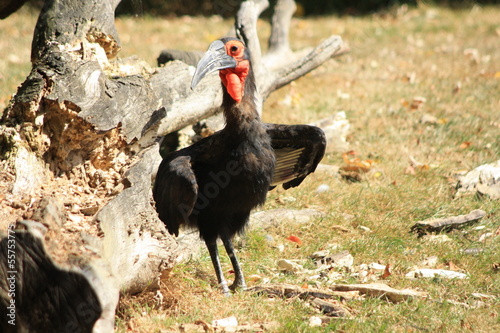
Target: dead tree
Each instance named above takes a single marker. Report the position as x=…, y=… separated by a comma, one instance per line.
x=80, y=148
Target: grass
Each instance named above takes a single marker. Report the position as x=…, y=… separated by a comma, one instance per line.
x=451, y=58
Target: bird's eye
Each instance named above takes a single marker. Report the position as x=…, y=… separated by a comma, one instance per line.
x=234, y=49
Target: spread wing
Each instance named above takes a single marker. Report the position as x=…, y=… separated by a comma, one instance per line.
x=175, y=191
x=298, y=149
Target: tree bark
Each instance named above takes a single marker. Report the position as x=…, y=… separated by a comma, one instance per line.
x=82, y=148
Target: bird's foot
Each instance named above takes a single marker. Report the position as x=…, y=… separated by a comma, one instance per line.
x=238, y=285
x=225, y=289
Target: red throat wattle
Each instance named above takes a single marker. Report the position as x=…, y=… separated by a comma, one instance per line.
x=234, y=79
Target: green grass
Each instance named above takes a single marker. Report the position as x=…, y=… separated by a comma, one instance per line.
x=426, y=44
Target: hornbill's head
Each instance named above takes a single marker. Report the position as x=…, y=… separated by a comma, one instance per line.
x=231, y=58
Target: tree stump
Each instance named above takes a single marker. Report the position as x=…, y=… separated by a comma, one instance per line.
x=80, y=147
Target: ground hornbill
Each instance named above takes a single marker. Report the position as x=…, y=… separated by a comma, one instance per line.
x=213, y=184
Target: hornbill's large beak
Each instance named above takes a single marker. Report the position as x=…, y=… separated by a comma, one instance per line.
x=214, y=59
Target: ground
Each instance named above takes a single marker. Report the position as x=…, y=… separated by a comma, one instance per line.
x=420, y=88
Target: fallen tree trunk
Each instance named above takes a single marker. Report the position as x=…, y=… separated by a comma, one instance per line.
x=81, y=148
x=446, y=223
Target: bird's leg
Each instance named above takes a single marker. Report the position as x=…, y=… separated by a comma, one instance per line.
x=214, y=255
x=239, y=281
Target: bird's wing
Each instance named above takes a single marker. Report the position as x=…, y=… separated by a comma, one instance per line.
x=175, y=191
x=298, y=149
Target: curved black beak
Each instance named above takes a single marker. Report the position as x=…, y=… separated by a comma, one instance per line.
x=214, y=59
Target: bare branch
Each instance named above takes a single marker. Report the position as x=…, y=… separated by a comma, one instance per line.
x=447, y=223
x=280, y=26
x=316, y=57
x=246, y=28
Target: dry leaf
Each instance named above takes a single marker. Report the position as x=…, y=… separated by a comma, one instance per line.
x=465, y=144
x=355, y=164
x=417, y=102
x=387, y=272
x=417, y=165
x=451, y=265
x=423, y=167
x=294, y=239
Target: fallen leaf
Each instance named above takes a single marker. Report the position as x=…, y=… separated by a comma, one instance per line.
x=465, y=144
x=451, y=265
x=294, y=239
x=423, y=167
x=417, y=165
x=356, y=164
x=387, y=272
x=417, y=102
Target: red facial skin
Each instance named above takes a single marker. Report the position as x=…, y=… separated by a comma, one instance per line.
x=234, y=78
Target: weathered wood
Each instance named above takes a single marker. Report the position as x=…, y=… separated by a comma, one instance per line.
x=318, y=298
x=135, y=241
x=447, y=223
x=280, y=27
x=290, y=290
x=380, y=290
x=315, y=58
x=94, y=125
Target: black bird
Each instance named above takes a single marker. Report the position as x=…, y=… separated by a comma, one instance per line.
x=213, y=184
